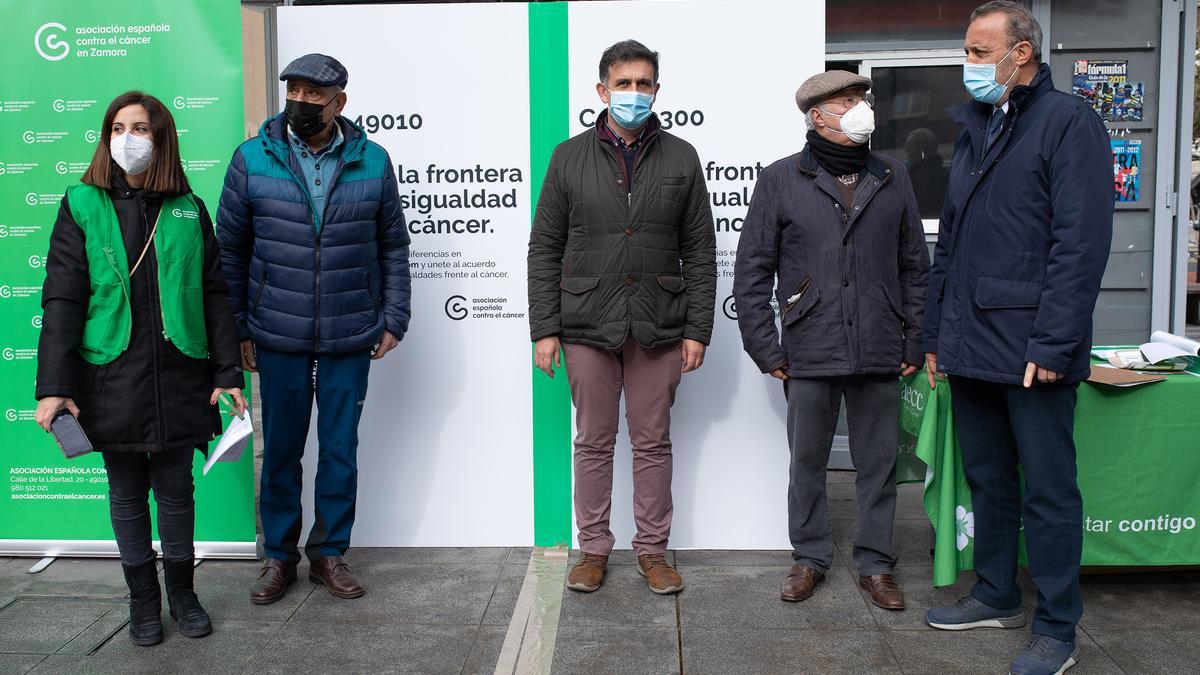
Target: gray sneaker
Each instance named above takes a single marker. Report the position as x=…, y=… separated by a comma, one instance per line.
x=970, y=613
x=1044, y=655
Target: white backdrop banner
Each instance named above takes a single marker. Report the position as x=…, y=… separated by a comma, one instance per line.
x=444, y=452
x=448, y=433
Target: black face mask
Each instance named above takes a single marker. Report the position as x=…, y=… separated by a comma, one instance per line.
x=305, y=118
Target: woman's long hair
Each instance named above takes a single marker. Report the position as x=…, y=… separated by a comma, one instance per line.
x=165, y=173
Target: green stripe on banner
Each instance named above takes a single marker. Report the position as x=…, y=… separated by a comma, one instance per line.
x=549, y=125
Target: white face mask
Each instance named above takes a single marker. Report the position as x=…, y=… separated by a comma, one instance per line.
x=131, y=153
x=857, y=122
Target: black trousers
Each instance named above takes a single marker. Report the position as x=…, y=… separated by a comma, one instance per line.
x=131, y=476
x=873, y=415
x=999, y=427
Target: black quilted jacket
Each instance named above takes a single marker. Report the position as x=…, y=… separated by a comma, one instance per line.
x=607, y=261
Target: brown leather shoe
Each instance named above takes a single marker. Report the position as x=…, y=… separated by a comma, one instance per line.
x=587, y=574
x=883, y=591
x=800, y=582
x=659, y=575
x=274, y=577
x=334, y=574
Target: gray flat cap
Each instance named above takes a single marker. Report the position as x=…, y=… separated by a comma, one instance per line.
x=319, y=69
x=823, y=85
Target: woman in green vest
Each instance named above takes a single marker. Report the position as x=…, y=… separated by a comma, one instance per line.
x=137, y=342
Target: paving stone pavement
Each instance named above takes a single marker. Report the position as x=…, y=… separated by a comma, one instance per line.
x=447, y=610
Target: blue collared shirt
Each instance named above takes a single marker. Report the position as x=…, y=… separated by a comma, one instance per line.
x=318, y=168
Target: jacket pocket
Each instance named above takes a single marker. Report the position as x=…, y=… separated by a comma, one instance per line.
x=192, y=337
x=891, y=305
x=672, y=301
x=993, y=293
x=577, y=307
x=102, y=330
x=374, y=288
x=800, y=303
x=366, y=299
x=262, y=286
x=674, y=188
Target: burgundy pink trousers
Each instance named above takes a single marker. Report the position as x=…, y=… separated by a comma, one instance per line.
x=648, y=378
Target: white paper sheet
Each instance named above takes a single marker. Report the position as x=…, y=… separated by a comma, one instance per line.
x=1191, y=347
x=233, y=442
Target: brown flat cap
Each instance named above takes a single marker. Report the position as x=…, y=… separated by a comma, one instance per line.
x=823, y=85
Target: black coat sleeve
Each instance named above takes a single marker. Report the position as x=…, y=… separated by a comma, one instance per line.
x=224, y=355
x=698, y=255
x=754, y=277
x=1081, y=196
x=913, y=264
x=235, y=220
x=394, y=241
x=547, y=241
x=65, y=295
x=932, y=321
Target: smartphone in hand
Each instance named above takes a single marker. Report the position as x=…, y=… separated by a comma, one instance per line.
x=71, y=439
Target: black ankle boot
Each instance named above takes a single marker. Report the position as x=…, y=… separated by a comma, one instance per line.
x=145, y=604
x=181, y=597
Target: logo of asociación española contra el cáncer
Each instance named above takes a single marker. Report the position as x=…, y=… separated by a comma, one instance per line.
x=49, y=43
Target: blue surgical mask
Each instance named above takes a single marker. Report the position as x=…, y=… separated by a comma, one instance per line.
x=629, y=108
x=980, y=80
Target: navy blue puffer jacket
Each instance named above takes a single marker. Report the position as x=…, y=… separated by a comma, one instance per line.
x=292, y=288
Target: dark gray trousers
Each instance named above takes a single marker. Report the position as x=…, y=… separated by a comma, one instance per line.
x=872, y=411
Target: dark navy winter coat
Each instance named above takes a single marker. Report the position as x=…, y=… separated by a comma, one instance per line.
x=292, y=288
x=1024, y=239
x=851, y=276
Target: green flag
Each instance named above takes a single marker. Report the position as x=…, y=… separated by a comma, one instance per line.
x=947, y=496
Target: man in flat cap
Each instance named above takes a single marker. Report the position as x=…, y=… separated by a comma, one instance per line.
x=315, y=250
x=840, y=229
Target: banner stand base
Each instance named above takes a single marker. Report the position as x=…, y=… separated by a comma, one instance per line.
x=49, y=550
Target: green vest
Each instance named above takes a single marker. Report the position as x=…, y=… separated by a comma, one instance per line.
x=179, y=248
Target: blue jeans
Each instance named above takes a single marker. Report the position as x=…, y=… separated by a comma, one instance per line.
x=288, y=383
x=999, y=426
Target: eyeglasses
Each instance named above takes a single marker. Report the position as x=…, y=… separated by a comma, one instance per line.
x=850, y=100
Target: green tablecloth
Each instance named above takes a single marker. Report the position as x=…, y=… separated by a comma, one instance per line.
x=1139, y=472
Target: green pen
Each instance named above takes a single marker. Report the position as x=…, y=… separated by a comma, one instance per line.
x=225, y=399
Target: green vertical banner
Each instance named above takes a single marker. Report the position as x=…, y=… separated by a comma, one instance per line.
x=64, y=61
x=549, y=125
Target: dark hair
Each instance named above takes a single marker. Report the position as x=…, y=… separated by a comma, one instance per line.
x=165, y=173
x=627, y=50
x=1022, y=27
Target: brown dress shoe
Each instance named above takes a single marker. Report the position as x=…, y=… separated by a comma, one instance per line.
x=587, y=574
x=800, y=582
x=883, y=591
x=333, y=573
x=274, y=577
x=659, y=575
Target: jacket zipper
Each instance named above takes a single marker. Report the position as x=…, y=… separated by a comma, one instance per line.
x=156, y=313
x=317, y=249
x=628, y=211
x=628, y=182
x=317, y=281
